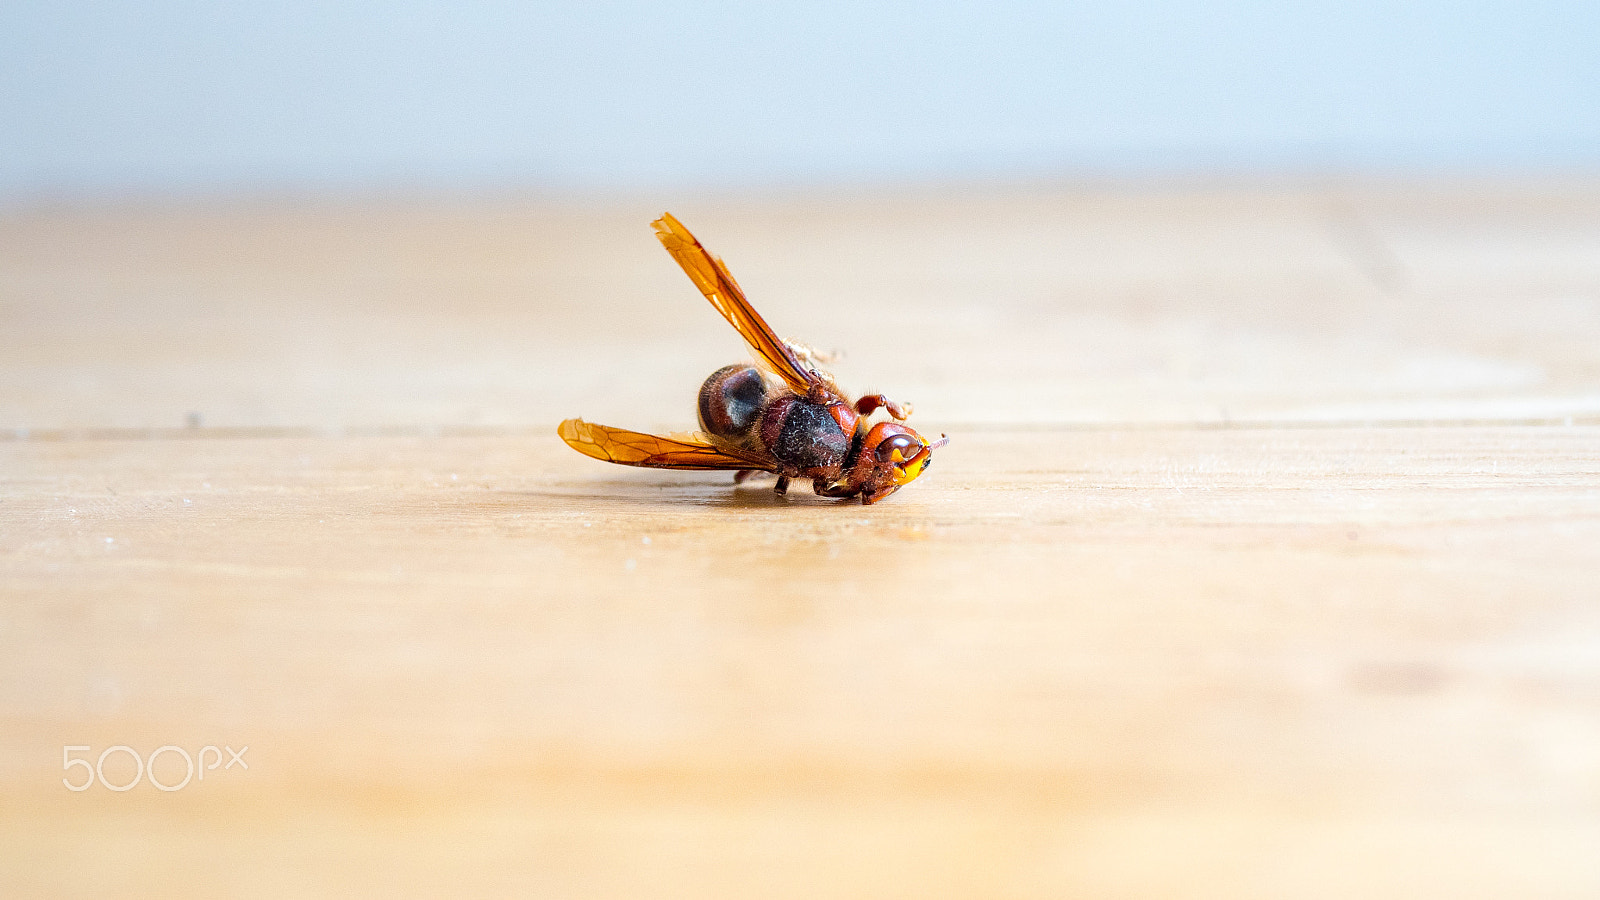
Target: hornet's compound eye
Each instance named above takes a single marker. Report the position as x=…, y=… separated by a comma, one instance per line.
x=906, y=445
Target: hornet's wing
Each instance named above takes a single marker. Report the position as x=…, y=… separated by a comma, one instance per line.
x=712, y=277
x=631, y=448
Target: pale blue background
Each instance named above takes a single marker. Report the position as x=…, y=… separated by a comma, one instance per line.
x=170, y=95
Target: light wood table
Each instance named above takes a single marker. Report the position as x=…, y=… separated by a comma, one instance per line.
x=1264, y=560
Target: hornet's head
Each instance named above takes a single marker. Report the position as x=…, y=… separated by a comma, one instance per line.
x=891, y=457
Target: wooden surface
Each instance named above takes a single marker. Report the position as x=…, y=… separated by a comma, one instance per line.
x=1262, y=563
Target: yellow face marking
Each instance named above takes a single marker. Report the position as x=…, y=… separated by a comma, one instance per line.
x=905, y=473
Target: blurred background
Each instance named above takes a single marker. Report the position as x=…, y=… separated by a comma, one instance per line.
x=169, y=96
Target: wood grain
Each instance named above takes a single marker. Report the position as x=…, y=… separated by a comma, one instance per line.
x=1261, y=563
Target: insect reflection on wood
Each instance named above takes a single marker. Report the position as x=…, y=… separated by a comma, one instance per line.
x=786, y=417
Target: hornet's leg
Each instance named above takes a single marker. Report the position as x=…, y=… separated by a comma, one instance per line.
x=875, y=496
x=811, y=356
x=821, y=488
x=782, y=487
x=743, y=475
x=871, y=402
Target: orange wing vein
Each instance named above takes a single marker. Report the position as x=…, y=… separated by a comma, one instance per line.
x=712, y=277
x=630, y=448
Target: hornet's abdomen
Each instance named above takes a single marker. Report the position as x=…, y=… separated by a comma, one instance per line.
x=731, y=401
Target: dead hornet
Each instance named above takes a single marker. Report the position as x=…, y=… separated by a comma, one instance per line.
x=787, y=417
